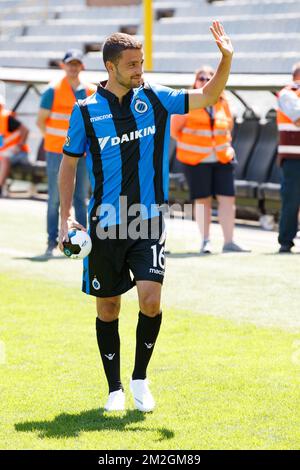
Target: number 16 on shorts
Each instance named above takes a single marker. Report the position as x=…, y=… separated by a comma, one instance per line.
x=158, y=259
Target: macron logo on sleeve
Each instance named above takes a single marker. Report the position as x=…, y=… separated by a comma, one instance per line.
x=134, y=135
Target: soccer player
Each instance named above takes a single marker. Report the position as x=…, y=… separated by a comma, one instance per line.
x=124, y=130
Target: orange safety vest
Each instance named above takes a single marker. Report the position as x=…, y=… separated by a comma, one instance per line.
x=9, y=141
x=203, y=135
x=289, y=134
x=57, y=123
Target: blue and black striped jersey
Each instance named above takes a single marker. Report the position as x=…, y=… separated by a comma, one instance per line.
x=126, y=145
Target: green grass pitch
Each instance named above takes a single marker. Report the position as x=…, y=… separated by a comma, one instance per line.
x=218, y=385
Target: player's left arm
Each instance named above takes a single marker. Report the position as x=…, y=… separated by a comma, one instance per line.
x=210, y=93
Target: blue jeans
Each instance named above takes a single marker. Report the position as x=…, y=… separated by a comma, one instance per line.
x=290, y=199
x=20, y=157
x=79, y=198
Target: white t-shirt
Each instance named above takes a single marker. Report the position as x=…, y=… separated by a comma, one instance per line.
x=289, y=103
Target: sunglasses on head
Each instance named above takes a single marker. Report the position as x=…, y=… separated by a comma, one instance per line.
x=203, y=78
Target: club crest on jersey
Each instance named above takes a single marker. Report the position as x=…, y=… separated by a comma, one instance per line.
x=96, y=284
x=140, y=106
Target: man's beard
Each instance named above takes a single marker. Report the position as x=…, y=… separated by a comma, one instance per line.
x=128, y=84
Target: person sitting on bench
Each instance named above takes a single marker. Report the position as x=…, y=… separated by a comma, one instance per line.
x=13, y=136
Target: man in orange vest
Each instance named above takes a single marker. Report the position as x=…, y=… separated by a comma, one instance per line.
x=13, y=136
x=204, y=147
x=53, y=120
x=288, y=120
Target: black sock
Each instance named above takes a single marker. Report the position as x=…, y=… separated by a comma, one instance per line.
x=146, y=334
x=109, y=347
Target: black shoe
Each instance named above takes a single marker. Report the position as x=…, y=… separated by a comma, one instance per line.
x=285, y=249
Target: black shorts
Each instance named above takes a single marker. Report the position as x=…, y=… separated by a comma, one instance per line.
x=106, y=271
x=210, y=179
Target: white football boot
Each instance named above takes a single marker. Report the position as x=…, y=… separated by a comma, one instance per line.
x=115, y=401
x=143, y=398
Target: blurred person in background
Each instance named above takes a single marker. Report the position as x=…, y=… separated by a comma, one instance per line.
x=288, y=121
x=204, y=147
x=13, y=148
x=53, y=120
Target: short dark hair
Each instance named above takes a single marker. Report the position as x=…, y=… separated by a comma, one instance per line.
x=116, y=44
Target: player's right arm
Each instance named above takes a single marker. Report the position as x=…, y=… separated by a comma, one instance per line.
x=74, y=148
x=66, y=183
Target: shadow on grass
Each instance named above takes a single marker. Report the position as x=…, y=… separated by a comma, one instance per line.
x=173, y=254
x=39, y=258
x=283, y=255
x=190, y=255
x=71, y=425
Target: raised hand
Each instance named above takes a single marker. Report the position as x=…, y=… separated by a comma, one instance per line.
x=222, y=40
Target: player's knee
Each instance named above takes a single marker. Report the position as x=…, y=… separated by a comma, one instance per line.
x=108, y=310
x=150, y=305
